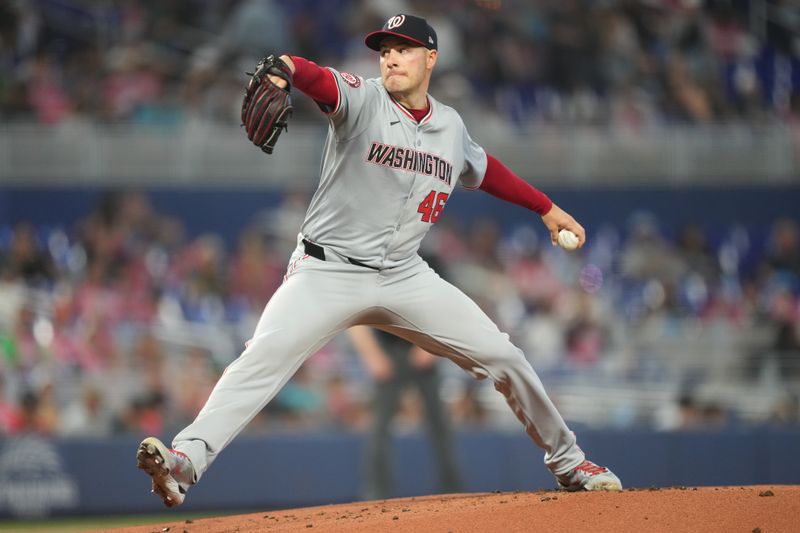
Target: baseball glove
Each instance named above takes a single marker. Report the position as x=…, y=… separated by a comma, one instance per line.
x=266, y=107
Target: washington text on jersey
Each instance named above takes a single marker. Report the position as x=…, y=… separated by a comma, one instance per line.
x=410, y=160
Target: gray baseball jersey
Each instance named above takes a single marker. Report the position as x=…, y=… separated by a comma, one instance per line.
x=384, y=181
x=385, y=178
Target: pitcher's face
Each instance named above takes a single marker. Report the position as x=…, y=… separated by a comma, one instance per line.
x=405, y=67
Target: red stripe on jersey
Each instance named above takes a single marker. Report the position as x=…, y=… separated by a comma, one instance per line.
x=430, y=112
x=403, y=109
x=418, y=115
x=338, y=96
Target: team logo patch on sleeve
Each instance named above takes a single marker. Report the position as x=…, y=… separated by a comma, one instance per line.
x=351, y=80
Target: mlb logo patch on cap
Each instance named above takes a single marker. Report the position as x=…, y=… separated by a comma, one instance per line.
x=414, y=29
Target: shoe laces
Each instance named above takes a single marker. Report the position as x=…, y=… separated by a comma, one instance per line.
x=591, y=468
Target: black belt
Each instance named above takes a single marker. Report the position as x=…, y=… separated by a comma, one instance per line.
x=318, y=252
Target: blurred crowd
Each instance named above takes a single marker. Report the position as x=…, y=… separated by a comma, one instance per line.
x=122, y=323
x=600, y=62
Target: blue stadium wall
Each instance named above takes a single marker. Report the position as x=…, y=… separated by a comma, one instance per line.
x=227, y=210
x=78, y=477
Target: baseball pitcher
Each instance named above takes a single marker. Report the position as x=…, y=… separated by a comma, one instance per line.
x=392, y=158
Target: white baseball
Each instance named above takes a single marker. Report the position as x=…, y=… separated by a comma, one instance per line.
x=567, y=240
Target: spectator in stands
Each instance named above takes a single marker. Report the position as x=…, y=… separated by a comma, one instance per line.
x=695, y=253
x=27, y=259
x=143, y=415
x=647, y=254
x=586, y=332
x=685, y=413
x=38, y=412
x=481, y=272
x=47, y=95
x=196, y=376
x=28, y=352
x=786, y=321
x=134, y=88
x=252, y=29
x=468, y=409
x=10, y=414
x=300, y=404
x=203, y=289
x=344, y=410
x=786, y=411
x=256, y=271
x=86, y=416
x=784, y=253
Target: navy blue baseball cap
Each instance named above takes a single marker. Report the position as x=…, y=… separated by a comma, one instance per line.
x=414, y=29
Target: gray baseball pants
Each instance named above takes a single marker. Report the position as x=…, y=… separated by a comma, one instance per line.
x=319, y=299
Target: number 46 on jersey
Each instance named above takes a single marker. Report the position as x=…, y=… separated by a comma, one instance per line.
x=431, y=207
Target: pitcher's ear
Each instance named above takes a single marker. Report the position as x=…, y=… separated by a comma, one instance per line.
x=432, y=54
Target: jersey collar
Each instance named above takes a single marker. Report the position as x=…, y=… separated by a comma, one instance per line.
x=407, y=113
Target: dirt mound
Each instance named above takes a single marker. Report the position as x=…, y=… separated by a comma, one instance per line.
x=755, y=509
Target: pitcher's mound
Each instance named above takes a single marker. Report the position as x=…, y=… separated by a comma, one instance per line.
x=750, y=509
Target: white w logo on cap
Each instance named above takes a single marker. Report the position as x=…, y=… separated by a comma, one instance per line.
x=395, y=21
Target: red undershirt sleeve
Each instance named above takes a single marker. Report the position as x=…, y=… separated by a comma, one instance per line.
x=501, y=182
x=315, y=81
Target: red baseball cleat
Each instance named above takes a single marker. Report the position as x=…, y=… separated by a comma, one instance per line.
x=171, y=471
x=589, y=476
